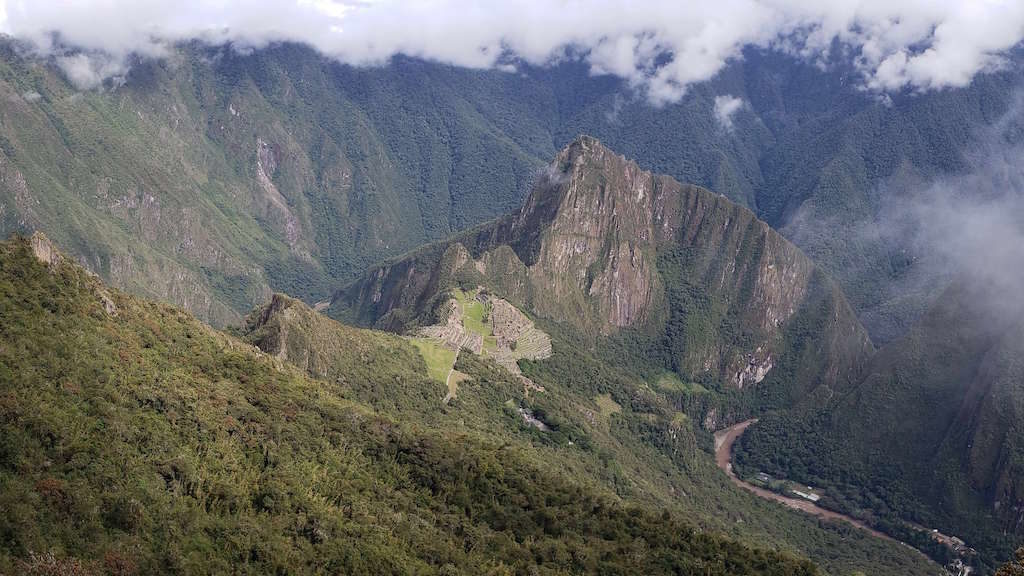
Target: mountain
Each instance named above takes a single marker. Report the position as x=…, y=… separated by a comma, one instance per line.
x=212, y=178
x=932, y=434
x=209, y=178
x=643, y=443
x=673, y=276
x=137, y=440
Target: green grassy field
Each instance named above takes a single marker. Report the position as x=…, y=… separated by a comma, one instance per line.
x=670, y=381
x=607, y=405
x=474, y=313
x=438, y=358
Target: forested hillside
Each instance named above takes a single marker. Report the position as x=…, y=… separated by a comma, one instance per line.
x=211, y=177
x=641, y=441
x=137, y=440
x=932, y=435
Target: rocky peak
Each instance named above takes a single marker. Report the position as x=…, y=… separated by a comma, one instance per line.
x=605, y=246
x=588, y=229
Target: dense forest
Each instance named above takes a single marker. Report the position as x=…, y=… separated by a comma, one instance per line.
x=137, y=440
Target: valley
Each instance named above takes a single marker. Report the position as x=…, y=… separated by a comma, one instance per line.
x=724, y=440
x=512, y=289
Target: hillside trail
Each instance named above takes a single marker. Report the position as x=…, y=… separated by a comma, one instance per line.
x=448, y=381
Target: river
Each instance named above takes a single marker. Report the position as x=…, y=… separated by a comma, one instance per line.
x=724, y=440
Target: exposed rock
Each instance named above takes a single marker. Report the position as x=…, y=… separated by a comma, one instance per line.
x=266, y=165
x=47, y=252
x=44, y=250
x=603, y=246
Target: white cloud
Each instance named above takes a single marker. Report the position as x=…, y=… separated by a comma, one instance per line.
x=88, y=71
x=725, y=107
x=660, y=47
x=3, y=17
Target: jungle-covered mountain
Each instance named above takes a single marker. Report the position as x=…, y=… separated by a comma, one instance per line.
x=659, y=277
x=212, y=177
x=932, y=434
x=666, y=277
x=641, y=440
x=138, y=440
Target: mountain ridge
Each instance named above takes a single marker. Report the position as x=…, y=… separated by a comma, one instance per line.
x=163, y=180
x=145, y=441
x=612, y=250
x=931, y=434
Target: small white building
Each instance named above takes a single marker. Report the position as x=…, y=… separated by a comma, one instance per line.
x=807, y=496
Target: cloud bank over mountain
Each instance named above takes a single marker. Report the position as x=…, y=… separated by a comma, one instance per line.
x=660, y=47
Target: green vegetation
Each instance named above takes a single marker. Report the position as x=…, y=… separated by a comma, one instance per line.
x=607, y=406
x=156, y=186
x=729, y=354
x=140, y=441
x=608, y=429
x=670, y=382
x=439, y=359
x=930, y=436
x=475, y=314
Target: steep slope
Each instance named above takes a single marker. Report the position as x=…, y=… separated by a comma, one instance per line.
x=583, y=416
x=380, y=369
x=212, y=178
x=137, y=440
x=673, y=275
x=932, y=434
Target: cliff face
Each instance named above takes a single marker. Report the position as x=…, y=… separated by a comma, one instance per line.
x=607, y=248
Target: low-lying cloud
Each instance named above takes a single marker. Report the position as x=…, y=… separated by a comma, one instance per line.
x=725, y=107
x=970, y=229
x=929, y=232
x=660, y=47
x=87, y=71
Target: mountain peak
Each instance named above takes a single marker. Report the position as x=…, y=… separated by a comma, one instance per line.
x=584, y=150
x=584, y=144
x=604, y=246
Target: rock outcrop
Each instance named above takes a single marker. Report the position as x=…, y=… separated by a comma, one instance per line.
x=47, y=252
x=609, y=249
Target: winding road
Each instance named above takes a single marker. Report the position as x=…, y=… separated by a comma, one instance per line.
x=725, y=438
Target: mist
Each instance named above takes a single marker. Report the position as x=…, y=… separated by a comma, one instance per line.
x=660, y=48
x=970, y=229
x=965, y=228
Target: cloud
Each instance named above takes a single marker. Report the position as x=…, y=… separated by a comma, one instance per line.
x=88, y=71
x=660, y=47
x=725, y=107
x=927, y=233
x=971, y=227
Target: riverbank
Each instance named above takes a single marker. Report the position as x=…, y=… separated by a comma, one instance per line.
x=724, y=440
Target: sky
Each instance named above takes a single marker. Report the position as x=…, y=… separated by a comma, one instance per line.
x=661, y=47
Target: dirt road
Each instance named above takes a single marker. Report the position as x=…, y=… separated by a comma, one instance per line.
x=724, y=439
